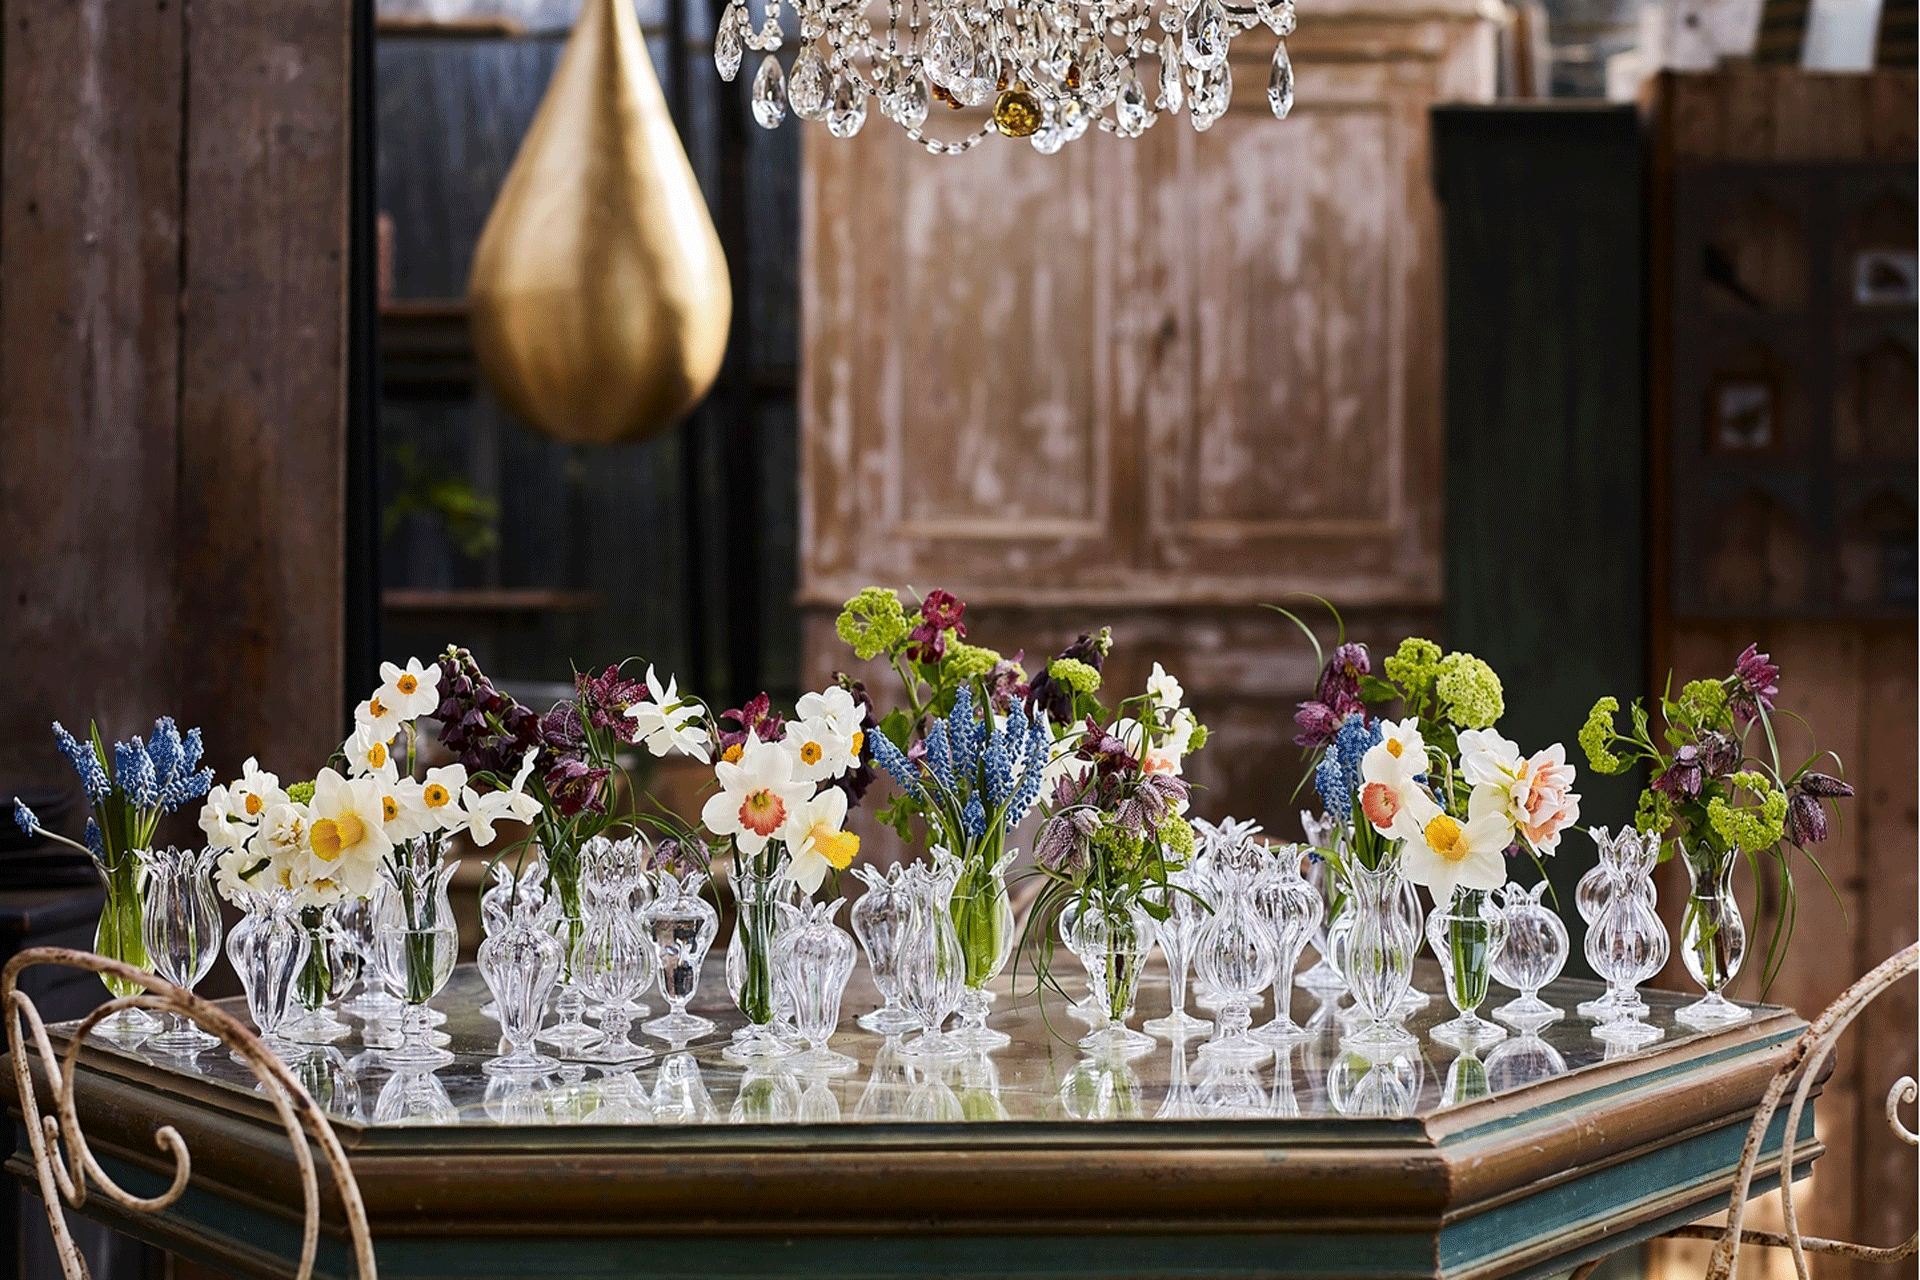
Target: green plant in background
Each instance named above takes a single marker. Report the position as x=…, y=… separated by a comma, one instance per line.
x=471, y=519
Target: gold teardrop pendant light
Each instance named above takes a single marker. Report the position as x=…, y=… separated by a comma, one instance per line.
x=599, y=294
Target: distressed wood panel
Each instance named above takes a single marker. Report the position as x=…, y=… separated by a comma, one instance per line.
x=89, y=294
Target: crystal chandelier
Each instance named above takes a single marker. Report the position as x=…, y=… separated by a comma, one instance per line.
x=1047, y=70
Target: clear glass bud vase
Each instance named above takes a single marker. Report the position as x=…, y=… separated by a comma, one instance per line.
x=325, y=976
x=521, y=962
x=1377, y=954
x=1116, y=936
x=419, y=943
x=268, y=949
x=680, y=926
x=1713, y=936
x=983, y=924
x=1537, y=949
x=1467, y=935
x=814, y=960
x=759, y=892
x=180, y=927
x=877, y=919
x=117, y=937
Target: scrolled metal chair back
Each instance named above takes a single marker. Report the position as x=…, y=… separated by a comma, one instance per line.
x=64, y=1163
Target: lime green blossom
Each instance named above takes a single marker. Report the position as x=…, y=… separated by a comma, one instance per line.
x=1703, y=700
x=1078, y=676
x=872, y=622
x=1469, y=690
x=1746, y=827
x=1413, y=665
x=1176, y=838
x=969, y=661
x=1198, y=738
x=1655, y=813
x=1119, y=846
x=301, y=793
x=1596, y=733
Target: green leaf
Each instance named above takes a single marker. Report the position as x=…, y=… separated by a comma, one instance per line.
x=1374, y=689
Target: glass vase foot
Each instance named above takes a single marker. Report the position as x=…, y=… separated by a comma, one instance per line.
x=757, y=1042
x=1117, y=1043
x=679, y=1027
x=374, y=1005
x=420, y=1055
x=1376, y=1039
x=888, y=1020
x=973, y=1034
x=1612, y=1006
x=1320, y=976
x=622, y=1051
x=1239, y=1047
x=1528, y=1013
x=127, y=1027
x=1468, y=1033
x=1627, y=1033
x=1178, y=1026
x=524, y=1063
x=1279, y=1031
x=183, y=1042
x=931, y=1046
x=821, y=1062
x=1711, y=1011
x=313, y=1026
x=570, y=1037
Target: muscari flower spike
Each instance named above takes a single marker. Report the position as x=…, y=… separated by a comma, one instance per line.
x=890, y=758
x=93, y=778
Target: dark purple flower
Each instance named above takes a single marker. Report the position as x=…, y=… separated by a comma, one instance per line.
x=561, y=730
x=677, y=856
x=1055, y=698
x=604, y=700
x=1318, y=724
x=575, y=787
x=1063, y=844
x=1819, y=784
x=942, y=610
x=1683, y=778
x=1719, y=754
x=1756, y=684
x=1806, y=819
x=1340, y=681
x=755, y=716
x=1007, y=684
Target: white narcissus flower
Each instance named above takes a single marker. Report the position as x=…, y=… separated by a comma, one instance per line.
x=346, y=837
x=1387, y=773
x=255, y=791
x=403, y=809
x=757, y=795
x=378, y=714
x=1443, y=853
x=815, y=840
x=1537, y=792
x=666, y=722
x=282, y=842
x=818, y=750
x=1487, y=759
x=412, y=691
x=231, y=878
x=369, y=755
x=223, y=828
x=478, y=811
x=1164, y=689
x=837, y=707
x=440, y=795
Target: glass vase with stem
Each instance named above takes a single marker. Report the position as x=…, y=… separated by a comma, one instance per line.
x=1326, y=847
x=1467, y=935
x=1236, y=956
x=326, y=975
x=813, y=958
x=877, y=918
x=520, y=960
x=1184, y=898
x=419, y=943
x=180, y=928
x=760, y=893
x=1117, y=936
x=1377, y=954
x=614, y=962
x=357, y=919
x=560, y=854
x=1536, y=951
x=1713, y=934
x=933, y=971
x=1627, y=943
x=1291, y=909
x=681, y=926
x=119, y=937
x=268, y=949
x=983, y=924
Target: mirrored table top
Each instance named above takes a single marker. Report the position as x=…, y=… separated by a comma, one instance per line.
x=1040, y=1077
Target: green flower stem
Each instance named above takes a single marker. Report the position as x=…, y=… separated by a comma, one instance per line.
x=1468, y=937
x=757, y=920
x=978, y=909
x=119, y=937
x=315, y=981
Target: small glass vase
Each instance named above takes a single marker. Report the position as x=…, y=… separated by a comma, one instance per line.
x=1536, y=951
x=358, y=920
x=180, y=928
x=521, y=962
x=614, y=964
x=1377, y=956
x=268, y=949
x=877, y=917
x=760, y=890
x=118, y=937
x=567, y=915
x=680, y=924
x=1116, y=936
x=983, y=925
x=1713, y=936
x=1627, y=943
x=813, y=958
x=1236, y=957
x=1185, y=901
x=1467, y=936
x=419, y=943
x=1324, y=836
x=933, y=972
x=324, y=977
x=1291, y=908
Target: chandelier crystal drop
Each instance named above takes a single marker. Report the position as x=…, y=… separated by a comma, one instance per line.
x=1043, y=70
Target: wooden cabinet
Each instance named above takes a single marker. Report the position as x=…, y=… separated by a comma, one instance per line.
x=1146, y=383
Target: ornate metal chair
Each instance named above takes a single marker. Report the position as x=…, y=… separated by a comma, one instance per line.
x=1799, y=1073
x=61, y=1158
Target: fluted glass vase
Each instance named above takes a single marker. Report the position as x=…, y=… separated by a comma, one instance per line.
x=1377, y=954
x=877, y=918
x=932, y=968
x=814, y=960
x=1536, y=951
x=1116, y=935
x=680, y=925
x=268, y=949
x=180, y=927
x=324, y=977
x=983, y=924
x=419, y=943
x=520, y=961
x=760, y=887
x=118, y=938
x=1713, y=935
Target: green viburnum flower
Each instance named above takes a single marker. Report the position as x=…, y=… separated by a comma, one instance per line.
x=1469, y=690
x=301, y=793
x=1655, y=813
x=1702, y=700
x=1413, y=665
x=1750, y=828
x=1078, y=676
x=1120, y=846
x=970, y=661
x=1176, y=838
x=872, y=622
x=1595, y=734
x=1198, y=738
